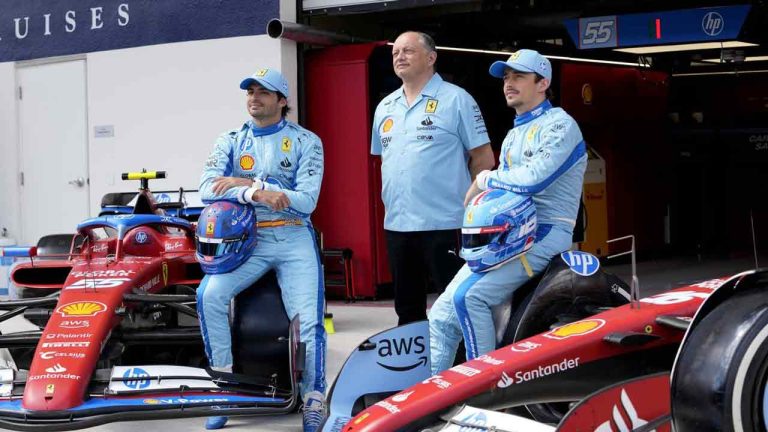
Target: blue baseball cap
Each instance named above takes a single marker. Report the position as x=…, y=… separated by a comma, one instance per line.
x=523, y=60
x=270, y=79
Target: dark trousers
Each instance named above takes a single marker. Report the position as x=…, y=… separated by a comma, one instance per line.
x=420, y=260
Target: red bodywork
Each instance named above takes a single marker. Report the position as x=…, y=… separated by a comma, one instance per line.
x=565, y=348
x=90, y=303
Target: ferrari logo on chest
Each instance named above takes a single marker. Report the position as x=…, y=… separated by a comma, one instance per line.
x=431, y=106
x=286, y=145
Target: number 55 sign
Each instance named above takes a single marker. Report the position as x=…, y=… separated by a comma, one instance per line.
x=598, y=32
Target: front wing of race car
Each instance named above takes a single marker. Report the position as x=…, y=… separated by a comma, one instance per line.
x=149, y=392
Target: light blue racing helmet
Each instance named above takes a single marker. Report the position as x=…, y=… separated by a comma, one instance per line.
x=498, y=226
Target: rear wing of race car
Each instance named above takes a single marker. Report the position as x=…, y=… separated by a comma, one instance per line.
x=181, y=203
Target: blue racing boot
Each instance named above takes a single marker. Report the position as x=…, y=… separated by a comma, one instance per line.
x=217, y=422
x=314, y=411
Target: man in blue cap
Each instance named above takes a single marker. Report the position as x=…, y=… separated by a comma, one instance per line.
x=276, y=166
x=543, y=156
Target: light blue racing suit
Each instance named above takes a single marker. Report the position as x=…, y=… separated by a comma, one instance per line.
x=289, y=159
x=543, y=156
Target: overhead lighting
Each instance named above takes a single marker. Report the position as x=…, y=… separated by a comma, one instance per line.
x=743, y=72
x=746, y=59
x=553, y=57
x=685, y=47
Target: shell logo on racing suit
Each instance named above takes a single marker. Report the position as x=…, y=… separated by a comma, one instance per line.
x=247, y=162
x=81, y=309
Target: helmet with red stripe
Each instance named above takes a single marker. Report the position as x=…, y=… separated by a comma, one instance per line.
x=498, y=226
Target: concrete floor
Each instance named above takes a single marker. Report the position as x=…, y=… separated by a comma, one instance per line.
x=355, y=322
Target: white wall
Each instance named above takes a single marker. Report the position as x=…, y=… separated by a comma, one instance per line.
x=9, y=196
x=167, y=104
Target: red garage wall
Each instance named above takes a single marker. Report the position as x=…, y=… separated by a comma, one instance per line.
x=624, y=121
x=349, y=213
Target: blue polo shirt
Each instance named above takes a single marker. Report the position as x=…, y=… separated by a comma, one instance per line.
x=424, y=152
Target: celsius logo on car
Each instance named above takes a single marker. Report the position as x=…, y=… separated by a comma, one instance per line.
x=136, y=379
x=581, y=263
x=401, y=347
x=81, y=309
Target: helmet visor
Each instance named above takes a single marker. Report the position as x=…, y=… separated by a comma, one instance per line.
x=214, y=248
x=472, y=238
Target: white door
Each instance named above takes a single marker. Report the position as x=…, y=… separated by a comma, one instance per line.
x=53, y=147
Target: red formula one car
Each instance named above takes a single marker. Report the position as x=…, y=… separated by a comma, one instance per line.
x=118, y=335
x=694, y=357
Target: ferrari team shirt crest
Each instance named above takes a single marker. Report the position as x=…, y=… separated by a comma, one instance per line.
x=424, y=155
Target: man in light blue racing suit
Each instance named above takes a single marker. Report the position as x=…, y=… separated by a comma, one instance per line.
x=276, y=166
x=543, y=156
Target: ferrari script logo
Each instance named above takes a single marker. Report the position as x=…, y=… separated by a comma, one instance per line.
x=81, y=309
x=575, y=329
x=431, y=106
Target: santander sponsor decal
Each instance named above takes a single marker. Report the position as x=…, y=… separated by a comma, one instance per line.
x=540, y=372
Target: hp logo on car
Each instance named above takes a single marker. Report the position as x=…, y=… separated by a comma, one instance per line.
x=712, y=23
x=136, y=379
x=581, y=263
x=141, y=237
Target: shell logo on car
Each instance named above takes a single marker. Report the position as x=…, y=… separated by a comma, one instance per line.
x=246, y=162
x=575, y=329
x=81, y=309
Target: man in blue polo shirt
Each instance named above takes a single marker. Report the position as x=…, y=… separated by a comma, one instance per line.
x=544, y=157
x=431, y=136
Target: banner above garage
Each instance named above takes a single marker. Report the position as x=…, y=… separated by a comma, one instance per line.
x=340, y=7
x=658, y=28
x=31, y=29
